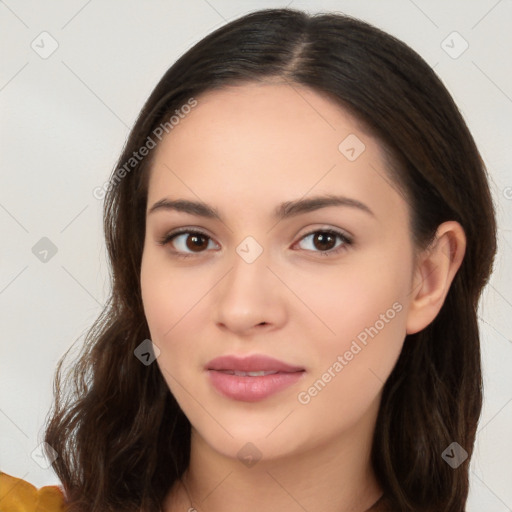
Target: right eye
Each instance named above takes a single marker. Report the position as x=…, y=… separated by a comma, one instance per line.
x=186, y=243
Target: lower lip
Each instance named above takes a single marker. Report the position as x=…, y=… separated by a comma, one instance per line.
x=252, y=389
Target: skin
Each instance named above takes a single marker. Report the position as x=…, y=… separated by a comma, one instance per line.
x=244, y=150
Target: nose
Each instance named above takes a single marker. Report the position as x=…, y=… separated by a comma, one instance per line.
x=250, y=298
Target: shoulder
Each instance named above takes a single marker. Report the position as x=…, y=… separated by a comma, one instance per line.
x=18, y=495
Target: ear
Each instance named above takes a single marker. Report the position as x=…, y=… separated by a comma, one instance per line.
x=435, y=269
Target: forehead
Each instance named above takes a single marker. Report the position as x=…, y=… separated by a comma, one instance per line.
x=263, y=116
x=255, y=144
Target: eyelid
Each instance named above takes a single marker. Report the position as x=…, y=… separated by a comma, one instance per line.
x=170, y=236
x=325, y=227
x=346, y=240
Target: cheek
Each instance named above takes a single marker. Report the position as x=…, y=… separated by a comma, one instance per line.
x=365, y=310
x=344, y=300
x=370, y=307
x=168, y=293
x=173, y=301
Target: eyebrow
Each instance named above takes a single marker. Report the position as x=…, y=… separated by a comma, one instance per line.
x=283, y=211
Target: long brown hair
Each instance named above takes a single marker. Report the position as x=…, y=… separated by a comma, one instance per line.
x=121, y=437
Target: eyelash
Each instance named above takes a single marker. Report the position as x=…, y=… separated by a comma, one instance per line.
x=165, y=240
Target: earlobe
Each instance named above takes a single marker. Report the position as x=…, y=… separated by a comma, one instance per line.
x=434, y=274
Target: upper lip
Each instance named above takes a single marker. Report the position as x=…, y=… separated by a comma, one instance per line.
x=252, y=363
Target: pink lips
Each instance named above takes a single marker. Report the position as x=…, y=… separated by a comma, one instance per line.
x=228, y=374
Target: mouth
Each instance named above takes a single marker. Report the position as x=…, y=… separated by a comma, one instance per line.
x=253, y=378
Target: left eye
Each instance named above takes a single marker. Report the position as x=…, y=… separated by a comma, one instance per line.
x=191, y=240
x=325, y=238
x=191, y=243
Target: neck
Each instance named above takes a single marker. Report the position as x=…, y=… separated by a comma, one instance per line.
x=335, y=476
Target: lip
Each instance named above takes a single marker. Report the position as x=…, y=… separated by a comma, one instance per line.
x=251, y=388
x=254, y=363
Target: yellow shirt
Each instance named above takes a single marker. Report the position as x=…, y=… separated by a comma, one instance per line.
x=17, y=495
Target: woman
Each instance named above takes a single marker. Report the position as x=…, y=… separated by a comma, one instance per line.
x=301, y=224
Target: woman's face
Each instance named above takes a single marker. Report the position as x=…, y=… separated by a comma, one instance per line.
x=265, y=278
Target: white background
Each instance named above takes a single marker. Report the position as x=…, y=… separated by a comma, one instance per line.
x=65, y=118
